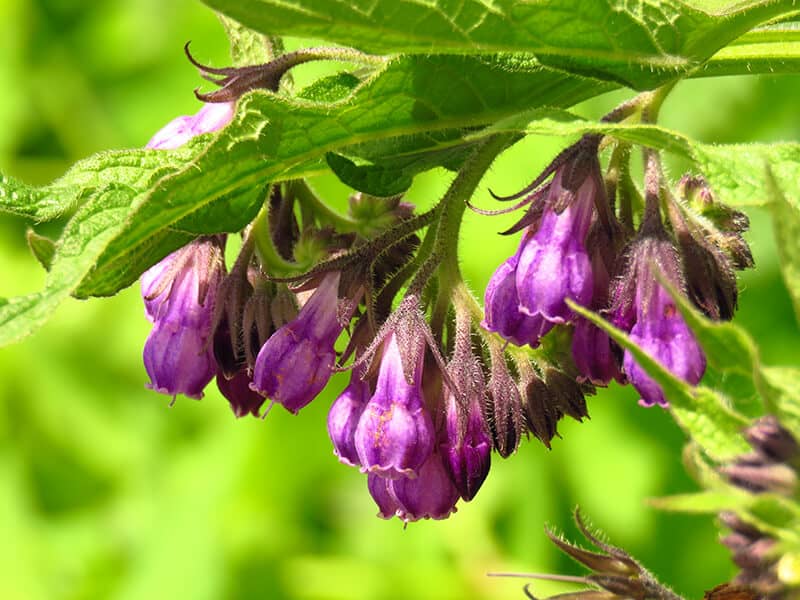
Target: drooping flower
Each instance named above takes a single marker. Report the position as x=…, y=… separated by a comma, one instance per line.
x=596, y=356
x=644, y=307
x=236, y=389
x=395, y=434
x=554, y=264
x=297, y=361
x=466, y=446
x=527, y=294
x=179, y=294
x=503, y=314
x=429, y=495
x=343, y=419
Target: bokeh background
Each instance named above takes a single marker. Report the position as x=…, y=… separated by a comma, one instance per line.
x=105, y=492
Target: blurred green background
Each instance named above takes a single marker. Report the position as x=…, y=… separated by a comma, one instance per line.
x=107, y=493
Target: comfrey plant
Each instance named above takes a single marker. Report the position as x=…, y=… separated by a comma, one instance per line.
x=621, y=274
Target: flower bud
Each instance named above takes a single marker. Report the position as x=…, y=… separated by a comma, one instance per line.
x=296, y=362
x=505, y=418
x=769, y=437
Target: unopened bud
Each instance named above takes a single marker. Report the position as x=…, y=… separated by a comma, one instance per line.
x=777, y=478
x=770, y=438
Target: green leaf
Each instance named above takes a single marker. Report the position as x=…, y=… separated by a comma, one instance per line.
x=640, y=45
x=702, y=412
x=784, y=387
x=786, y=222
x=216, y=182
x=92, y=227
x=42, y=248
x=376, y=180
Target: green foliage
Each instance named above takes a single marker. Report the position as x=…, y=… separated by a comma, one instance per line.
x=106, y=496
x=640, y=47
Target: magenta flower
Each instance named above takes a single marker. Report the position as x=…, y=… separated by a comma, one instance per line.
x=296, y=362
x=466, y=445
x=641, y=305
x=344, y=416
x=395, y=434
x=179, y=294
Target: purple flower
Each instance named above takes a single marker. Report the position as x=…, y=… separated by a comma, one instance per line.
x=343, y=419
x=554, y=264
x=179, y=294
x=297, y=361
x=430, y=495
x=395, y=433
x=380, y=489
x=212, y=117
x=503, y=314
x=237, y=391
x=595, y=355
x=467, y=446
x=663, y=334
x=641, y=305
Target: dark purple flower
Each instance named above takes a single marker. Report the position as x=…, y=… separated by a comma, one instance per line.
x=641, y=305
x=467, y=445
x=179, y=294
x=503, y=315
x=430, y=495
x=296, y=362
x=236, y=390
x=596, y=357
x=343, y=419
x=395, y=433
x=554, y=264
x=212, y=117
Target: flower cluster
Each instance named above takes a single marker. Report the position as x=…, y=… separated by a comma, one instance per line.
x=433, y=388
x=574, y=247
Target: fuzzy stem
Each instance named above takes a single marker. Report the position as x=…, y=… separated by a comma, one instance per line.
x=454, y=204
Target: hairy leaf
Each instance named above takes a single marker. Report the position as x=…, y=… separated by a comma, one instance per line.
x=641, y=44
x=215, y=183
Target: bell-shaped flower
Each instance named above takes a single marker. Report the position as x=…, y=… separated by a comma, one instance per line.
x=554, y=264
x=503, y=314
x=179, y=294
x=430, y=495
x=343, y=419
x=236, y=389
x=467, y=445
x=395, y=434
x=297, y=361
x=641, y=305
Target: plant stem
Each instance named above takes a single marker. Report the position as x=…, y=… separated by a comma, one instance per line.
x=454, y=203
